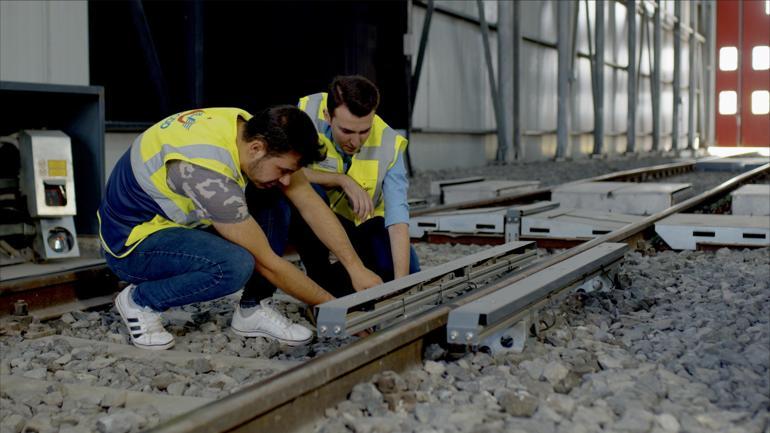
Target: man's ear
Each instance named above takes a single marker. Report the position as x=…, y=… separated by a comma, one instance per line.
x=257, y=148
x=327, y=118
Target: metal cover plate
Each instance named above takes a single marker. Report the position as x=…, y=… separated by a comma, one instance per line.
x=573, y=223
x=686, y=231
x=437, y=186
x=486, y=189
x=751, y=200
x=470, y=319
x=622, y=197
x=487, y=220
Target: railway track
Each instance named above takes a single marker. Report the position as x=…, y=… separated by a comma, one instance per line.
x=272, y=404
x=324, y=381
x=92, y=285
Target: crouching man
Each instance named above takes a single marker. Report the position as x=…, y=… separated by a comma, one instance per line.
x=174, y=221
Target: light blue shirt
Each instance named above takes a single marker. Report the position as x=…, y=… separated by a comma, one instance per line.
x=394, y=186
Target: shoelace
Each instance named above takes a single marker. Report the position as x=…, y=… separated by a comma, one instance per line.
x=152, y=322
x=274, y=315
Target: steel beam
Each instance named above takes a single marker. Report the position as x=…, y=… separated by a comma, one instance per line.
x=505, y=61
x=516, y=80
x=345, y=316
x=502, y=146
x=562, y=87
x=421, y=51
x=691, y=78
x=711, y=50
x=677, y=74
x=656, y=70
x=599, y=80
x=631, y=112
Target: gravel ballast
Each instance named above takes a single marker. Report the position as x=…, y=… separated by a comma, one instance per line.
x=682, y=345
x=676, y=350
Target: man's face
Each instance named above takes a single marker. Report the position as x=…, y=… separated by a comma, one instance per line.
x=269, y=171
x=348, y=130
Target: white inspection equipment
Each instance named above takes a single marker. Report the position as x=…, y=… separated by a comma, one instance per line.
x=47, y=180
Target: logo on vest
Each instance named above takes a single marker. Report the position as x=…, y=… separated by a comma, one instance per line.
x=187, y=119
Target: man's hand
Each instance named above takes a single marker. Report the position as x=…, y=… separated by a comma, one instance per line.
x=359, y=199
x=363, y=279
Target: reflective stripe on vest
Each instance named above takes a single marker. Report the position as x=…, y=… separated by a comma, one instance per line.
x=314, y=109
x=143, y=171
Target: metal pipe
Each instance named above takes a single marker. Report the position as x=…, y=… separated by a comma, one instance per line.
x=712, y=91
x=501, y=134
x=691, y=80
x=631, y=112
x=516, y=80
x=656, y=80
x=407, y=71
x=421, y=51
x=677, y=73
x=505, y=70
x=599, y=78
x=563, y=100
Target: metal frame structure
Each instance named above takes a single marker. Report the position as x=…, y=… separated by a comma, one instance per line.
x=507, y=100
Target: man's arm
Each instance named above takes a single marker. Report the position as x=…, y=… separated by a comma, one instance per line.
x=399, y=247
x=278, y=271
x=221, y=200
x=325, y=225
x=394, y=189
x=359, y=199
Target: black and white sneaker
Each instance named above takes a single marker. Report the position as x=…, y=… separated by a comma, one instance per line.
x=144, y=325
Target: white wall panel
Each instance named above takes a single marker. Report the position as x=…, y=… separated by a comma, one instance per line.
x=44, y=41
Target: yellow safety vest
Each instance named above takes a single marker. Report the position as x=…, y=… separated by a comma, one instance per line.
x=368, y=167
x=205, y=137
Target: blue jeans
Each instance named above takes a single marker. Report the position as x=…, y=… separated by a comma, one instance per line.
x=178, y=266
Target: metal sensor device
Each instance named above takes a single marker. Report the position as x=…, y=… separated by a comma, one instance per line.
x=47, y=180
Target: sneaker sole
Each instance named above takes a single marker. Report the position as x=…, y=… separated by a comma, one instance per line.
x=292, y=343
x=118, y=306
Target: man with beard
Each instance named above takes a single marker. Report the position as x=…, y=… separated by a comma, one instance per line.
x=175, y=225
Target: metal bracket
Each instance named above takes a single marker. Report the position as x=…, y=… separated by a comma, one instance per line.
x=507, y=340
x=602, y=282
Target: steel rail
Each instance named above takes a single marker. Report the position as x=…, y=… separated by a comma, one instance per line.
x=295, y=398
x=635, y=174
x=54, y=292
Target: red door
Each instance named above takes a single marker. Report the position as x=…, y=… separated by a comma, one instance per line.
x=743, y=73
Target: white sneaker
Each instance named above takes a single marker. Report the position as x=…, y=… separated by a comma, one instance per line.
x=264, y=321
x=144, y=324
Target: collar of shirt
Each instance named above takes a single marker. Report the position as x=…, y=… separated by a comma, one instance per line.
x=327, y=132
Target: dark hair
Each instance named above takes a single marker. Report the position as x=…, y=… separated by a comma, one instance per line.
x=355, y=92
x=286, y=128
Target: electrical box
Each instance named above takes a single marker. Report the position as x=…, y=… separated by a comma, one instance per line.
x=47, y=180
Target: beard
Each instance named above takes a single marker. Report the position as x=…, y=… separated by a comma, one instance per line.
x=252, y=173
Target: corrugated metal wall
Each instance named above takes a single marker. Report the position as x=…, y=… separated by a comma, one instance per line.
x=454, y=83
